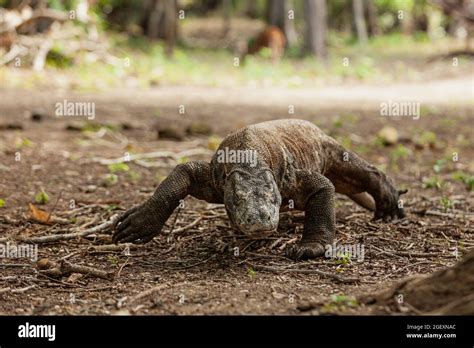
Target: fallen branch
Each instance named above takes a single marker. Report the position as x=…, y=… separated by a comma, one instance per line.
x=187, y=227
x=65, y=268
x=158, y=154
x=67, y=236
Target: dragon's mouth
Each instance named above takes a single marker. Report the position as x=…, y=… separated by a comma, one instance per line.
x=259, y=231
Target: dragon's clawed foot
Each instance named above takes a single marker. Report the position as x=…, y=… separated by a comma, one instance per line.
x=305, y=250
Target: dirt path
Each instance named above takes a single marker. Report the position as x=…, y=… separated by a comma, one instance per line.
x=198, y=270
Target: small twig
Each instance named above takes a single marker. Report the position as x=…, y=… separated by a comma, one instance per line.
x=65, y=268
x=67, y=236
x=187, y=227
x=22, y=290
x=305, y=271
x=121, y=267
x=448, y=215
x=175, y=219
x=6, y=265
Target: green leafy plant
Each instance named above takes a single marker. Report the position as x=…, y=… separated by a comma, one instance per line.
x=434, y=182
x=426, y=138
x=110, y=179
x=113, y=259
x=446, y=203
x=400, y=152
x=23, y=142
x=467, y=179
x=251, y=272
x=343, y=258
x=439, y=165
x=339, y=302
x=111, y=207
x=118, y=167
x=41, y=197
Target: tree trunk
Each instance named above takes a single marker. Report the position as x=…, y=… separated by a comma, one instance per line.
x=251, y=9
x=162, y=22
x=372, y=16
x=316, y=27
x=358, y=8
x=290, y=30
x=278, y=15
x=226, y=16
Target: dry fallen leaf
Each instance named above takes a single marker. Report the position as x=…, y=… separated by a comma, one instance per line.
x=39, y=215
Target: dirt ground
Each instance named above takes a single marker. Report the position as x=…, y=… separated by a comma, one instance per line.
x=193, y=267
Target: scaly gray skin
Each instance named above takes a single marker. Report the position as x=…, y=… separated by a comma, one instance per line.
x=296, y=164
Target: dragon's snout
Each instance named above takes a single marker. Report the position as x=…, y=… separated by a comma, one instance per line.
x=258, y=220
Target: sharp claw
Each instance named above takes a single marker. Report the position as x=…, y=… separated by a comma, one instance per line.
x=131, y=238
x=120, y=235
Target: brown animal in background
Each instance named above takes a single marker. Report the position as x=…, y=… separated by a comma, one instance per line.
x=271, y=37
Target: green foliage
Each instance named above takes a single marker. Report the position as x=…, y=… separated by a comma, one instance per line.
x=446, y=203
x=400, y=152
x=339, y=302
x=251, y=272
x=111, y=207
x=110, y=179
x=118, y=167
x=41, y=197
x=426, y=138
x=343, y=258
x=439, y=165
x=2, y=203
x=434, y=182
x=21, y=143
x=113, y=259
x=183, y=159
x=465, y=178
x=57, y=59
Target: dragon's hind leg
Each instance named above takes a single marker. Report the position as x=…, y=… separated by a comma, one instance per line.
x=354, y=177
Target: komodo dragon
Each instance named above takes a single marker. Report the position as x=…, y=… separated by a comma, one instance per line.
x=295, y=165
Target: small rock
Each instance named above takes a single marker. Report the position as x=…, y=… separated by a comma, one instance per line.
x=36, y=116
x=44, y=264
x=11, y=126
x=90, y=189
x=388, y=135
x=171, y=133
x=75, y=126
x=110, y=301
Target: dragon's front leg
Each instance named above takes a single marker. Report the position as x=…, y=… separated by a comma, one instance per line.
x=140, y=224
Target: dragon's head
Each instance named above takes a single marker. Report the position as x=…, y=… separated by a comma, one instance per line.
x=252, y=200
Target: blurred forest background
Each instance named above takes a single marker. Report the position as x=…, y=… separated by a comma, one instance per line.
x=163, y=42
